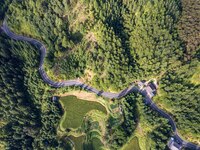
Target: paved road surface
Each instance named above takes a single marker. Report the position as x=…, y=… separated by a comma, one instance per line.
x=109, y=95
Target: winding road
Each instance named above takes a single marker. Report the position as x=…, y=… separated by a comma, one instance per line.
x=132, y=88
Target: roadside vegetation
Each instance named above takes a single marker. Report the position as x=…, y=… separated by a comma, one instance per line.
x=139, y=121
x=179, y=91
x=28, y=115
x=108, y=44
x=180, y=94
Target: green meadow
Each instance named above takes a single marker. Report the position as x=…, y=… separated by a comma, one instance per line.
x=75, y=109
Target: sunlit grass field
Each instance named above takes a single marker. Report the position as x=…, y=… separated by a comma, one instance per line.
x=75, y=109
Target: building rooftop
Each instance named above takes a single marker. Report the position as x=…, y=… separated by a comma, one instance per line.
x=173, y=145
x=141, y=84
x=152, y=85
x=150, y=91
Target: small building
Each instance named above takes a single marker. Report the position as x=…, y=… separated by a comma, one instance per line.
x=173, y=145
x=152, y=85
x=141, y=84
x=54, y=98
x=150, y=91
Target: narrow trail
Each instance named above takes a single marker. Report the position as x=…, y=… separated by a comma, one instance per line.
x=132, y=88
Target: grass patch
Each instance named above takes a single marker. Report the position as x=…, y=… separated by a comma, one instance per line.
x=75, y=110
x=78, y=142
x=95, y=144
x=133, y=144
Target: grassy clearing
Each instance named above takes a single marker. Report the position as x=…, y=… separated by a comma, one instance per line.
x=133, y=144
x=75, y=110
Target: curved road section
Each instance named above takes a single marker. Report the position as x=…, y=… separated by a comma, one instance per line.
x=132, y=88
x=52, y=83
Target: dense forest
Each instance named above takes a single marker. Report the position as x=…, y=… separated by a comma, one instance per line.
x=189, y=27
x=4, y=6
x=28, y=115
x=180, y=88
x=180, y=94
x=108, y=44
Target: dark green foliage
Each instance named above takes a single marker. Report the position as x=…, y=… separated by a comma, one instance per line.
x=161, y=134
x=48, y=134
x=118, y=135
x=119, y=41
x=128, y=39
x=182, y=96
x=4, y=6
x=17, y=109
x=140, y=40
x=153, y=40
x=189, y=26
x=133, y=109
x=27, y=124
